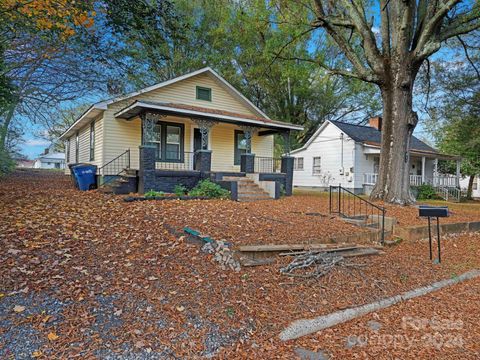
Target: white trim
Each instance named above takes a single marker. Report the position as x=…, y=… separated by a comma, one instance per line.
x=183, y=77
x=315, y=135
x=212, y=115
x=103, y=105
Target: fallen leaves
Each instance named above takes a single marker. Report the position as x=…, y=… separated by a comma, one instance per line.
x=52, y=336
x=19, y=308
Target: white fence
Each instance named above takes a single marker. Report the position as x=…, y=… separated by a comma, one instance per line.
x=416, y=180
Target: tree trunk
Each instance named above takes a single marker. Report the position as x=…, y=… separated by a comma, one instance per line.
x=4, y=128
x=470, y=187
x=398, y=122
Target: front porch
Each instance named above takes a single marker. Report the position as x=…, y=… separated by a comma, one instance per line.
x=182, y=147
x=423, y=169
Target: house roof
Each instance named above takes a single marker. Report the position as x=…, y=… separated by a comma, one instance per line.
x=196, y=111
x=371, y=136
x=52, y=156
x=97, y=109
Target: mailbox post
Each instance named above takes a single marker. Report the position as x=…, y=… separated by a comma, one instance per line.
x=429, y=212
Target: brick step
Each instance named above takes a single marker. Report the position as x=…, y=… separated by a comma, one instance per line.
x=235, y=178
x=252, y=199
x=253, y=194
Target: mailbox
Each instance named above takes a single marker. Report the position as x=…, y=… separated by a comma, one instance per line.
x=433, y=211
x=437, y=212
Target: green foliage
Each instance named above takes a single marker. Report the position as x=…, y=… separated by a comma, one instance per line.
x=426, y=191
x=209, y=189
x=7, y=164
x=153, y=193
x=180, y=190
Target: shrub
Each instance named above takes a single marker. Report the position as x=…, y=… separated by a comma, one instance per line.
x=426, y=192
x=180, y=190
x=7, y=164
x=209, y=189
x=153, y=193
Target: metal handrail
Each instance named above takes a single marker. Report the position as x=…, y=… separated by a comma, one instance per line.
x=114, y=159
x=349, y=211
x=119, y=163
x=265, y=164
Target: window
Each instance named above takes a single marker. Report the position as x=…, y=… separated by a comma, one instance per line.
x=298, y=164
x=57, y=165
x=92, y=141
x=240, y=146
x=67, y=150
x=475, y=184
x=77, y=144
x=316, y=167
x=168, y=141
x=173, y=143
x=204, y=93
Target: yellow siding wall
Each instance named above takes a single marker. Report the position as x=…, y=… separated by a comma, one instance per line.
x=114, y=136
x=120, y=135
x=84, y=145
x=223, y=143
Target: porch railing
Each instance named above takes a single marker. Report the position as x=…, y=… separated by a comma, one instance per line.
x=416, y=180
x=357, y=210
x=176, y=161
x=265, y=164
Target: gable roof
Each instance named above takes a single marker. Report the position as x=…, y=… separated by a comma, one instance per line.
x=366, y=135
x=97, y=108
x=371, y=136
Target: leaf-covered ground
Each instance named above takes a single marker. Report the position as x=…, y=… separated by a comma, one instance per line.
x=87, y=275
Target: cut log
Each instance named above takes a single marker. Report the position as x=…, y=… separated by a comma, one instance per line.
x=304, y=327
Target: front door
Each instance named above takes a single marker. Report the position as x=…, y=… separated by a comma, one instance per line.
x=197, y=139
x=197, y=142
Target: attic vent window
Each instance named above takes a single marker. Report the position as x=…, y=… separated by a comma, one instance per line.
x=204, y=93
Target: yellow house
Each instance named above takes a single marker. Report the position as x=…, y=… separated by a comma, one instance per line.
x=183, y=129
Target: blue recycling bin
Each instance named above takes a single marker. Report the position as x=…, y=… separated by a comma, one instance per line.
x=85, y=176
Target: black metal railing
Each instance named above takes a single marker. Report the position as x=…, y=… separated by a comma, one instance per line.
x=176, y=161
x=265, y=164
x=114, y=167
x=350, y=206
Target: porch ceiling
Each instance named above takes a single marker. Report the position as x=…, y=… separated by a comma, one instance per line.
x=189, y=111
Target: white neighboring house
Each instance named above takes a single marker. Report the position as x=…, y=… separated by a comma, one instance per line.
x=349, y=155
x=475, y=187
x=50, y=161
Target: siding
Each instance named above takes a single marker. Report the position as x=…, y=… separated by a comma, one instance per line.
x=223, y=151
x=120, y=135
x=328, y=146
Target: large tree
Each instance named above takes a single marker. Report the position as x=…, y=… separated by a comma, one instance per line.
x=455, y=112
x=385, y=43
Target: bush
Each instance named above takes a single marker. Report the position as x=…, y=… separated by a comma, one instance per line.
x=180, y=190
x=153, y=193
x=7, y=164
x=426, y=192
x=209, y=189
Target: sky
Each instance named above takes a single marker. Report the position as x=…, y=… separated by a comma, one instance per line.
x=33, y=145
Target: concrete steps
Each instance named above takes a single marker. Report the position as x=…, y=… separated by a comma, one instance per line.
x=248, y=191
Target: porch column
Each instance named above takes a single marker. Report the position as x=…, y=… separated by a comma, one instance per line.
x=435, y=172
x=203, y=156
x=457, y=179
x=203, y=160
x=146, y=174
x=423, y=169
x=149, y=120
x=286, y=142
x=247, y=163
x=204, y=125
x=287, y=169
